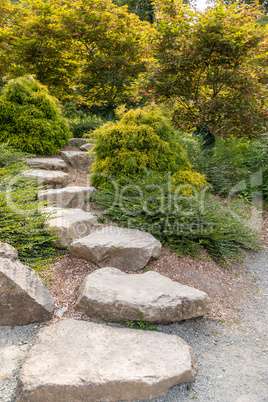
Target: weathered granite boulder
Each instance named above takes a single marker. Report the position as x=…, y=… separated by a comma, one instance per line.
x=126, y=249
x=83, y=361
x=23, y=297
x=48, y=163
x=68, y=197
x=69, y=224
x=77, y=142
x=87, y=147
x=112, y=295
x=77, y=159
x=52, y=178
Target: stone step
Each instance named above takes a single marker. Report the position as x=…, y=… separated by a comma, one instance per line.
x=68, y=197
x=126, y=249
x=77, y=142
x=87, y=147
x=48, y=163
x=69, y=224
x=77, y=159
x=83, y=361
x=53, y=179
x=112, y=295
x=23, y=297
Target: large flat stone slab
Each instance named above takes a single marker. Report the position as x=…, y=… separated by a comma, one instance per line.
x=24, y=299
x=81, y=361
x=48, y=163
x=54, y=179
x=69, y=224
x=112, y=295
x=126, y=249
x=77, y=159
x=68, y=197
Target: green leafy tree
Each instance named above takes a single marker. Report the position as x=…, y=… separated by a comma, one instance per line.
x=113, y=48
x=38, y=45
x=263, y=3
x=6, y=11
x=90, y=50
x=31, y=119
x=210, y=67
x=143, y=8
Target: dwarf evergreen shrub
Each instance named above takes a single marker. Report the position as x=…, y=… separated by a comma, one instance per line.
x=141, y=140
x=30, y=118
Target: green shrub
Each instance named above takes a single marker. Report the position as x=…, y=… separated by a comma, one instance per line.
x=30, y=118
x=21, y=220
x=231, y=161
x=84, y=125
x=143, y=139
x=152, y=204
x=189, y=181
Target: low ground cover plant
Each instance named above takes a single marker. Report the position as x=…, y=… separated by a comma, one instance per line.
x=20, y=212
x=180, y=219
x=31, y=119
x=141, y=324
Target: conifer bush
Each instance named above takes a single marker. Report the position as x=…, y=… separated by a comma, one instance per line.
x=141, y=140
x=31, y=119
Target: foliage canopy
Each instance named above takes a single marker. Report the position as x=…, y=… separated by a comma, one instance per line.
x=210, y=67
x=90, y=50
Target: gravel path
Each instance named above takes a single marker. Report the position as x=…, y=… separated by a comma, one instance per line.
x=232, y=357
x=233, y=364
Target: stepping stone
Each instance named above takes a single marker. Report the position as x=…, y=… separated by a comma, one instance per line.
x=83, y=361
x=77, y=142
x=23, y=297
x=70, y=224
x=126, y=249
x=68, y=197
x=87, y=147
x=112, y=295
x=48, y=177
x=48, y=163
x=7, y=251
x=77, y=159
